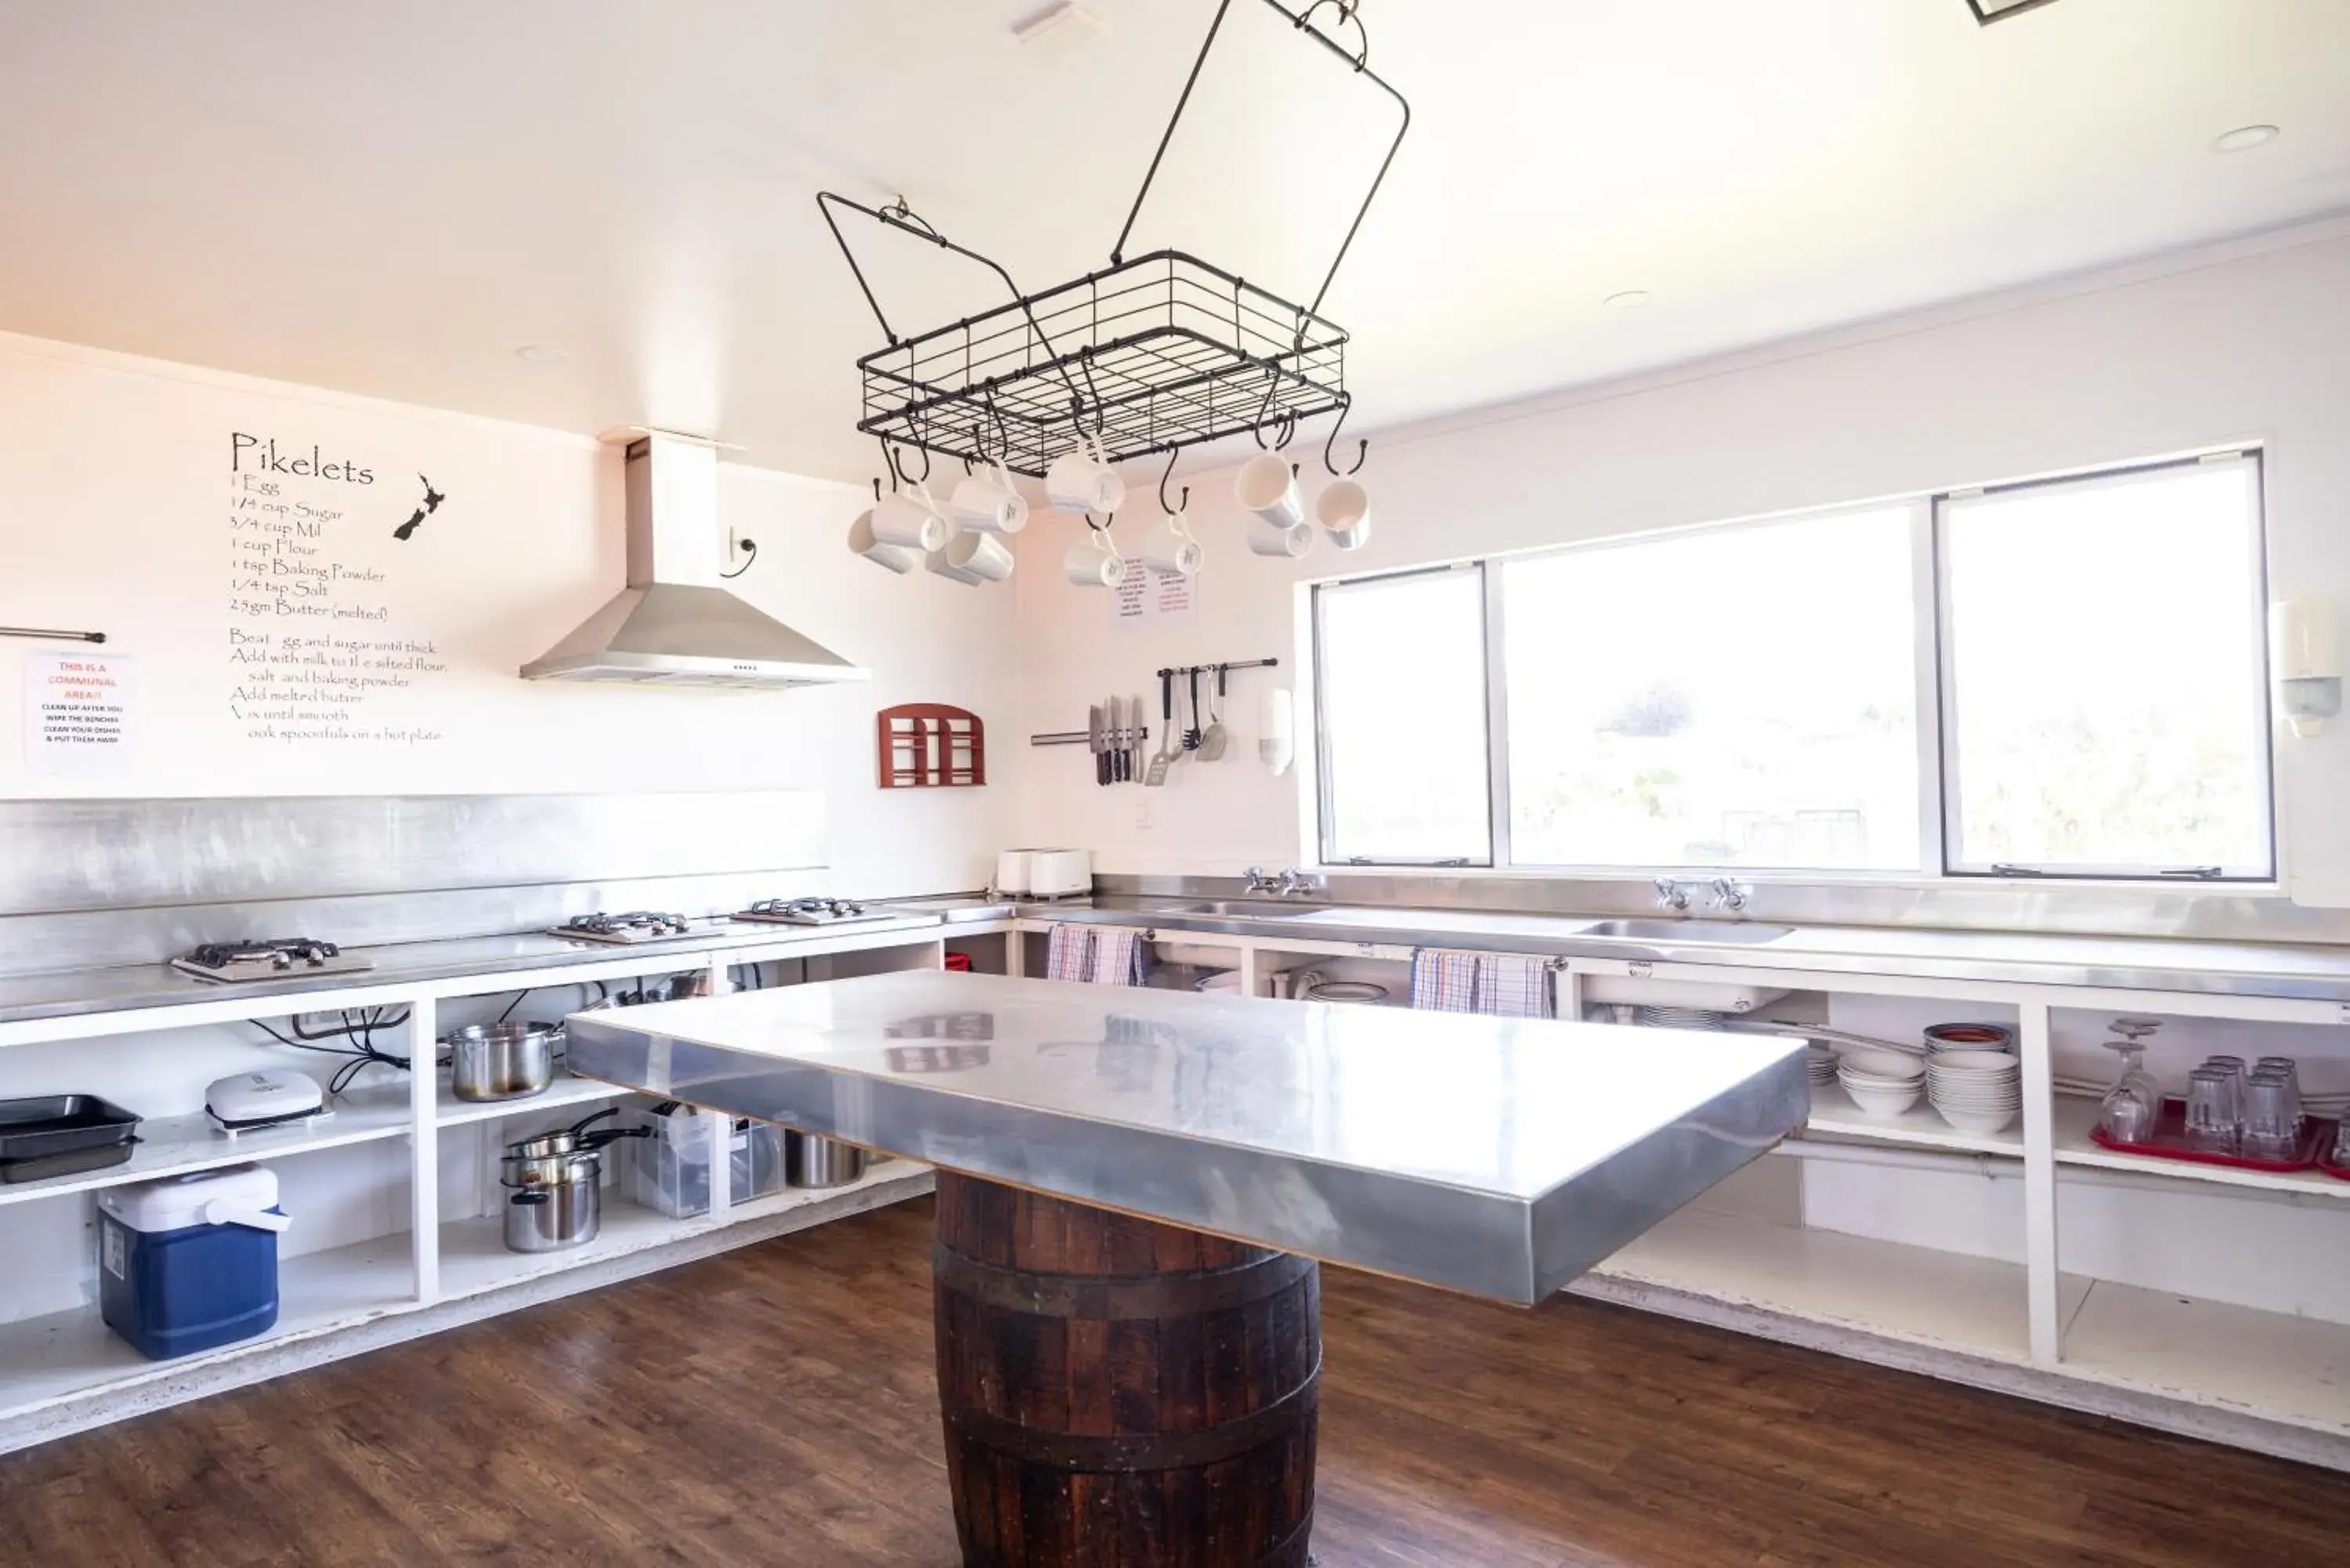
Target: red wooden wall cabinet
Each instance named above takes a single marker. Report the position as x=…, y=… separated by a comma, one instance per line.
x=928, y=746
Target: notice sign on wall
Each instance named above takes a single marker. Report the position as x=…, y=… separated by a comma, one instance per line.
x=1148, y=597
x=76, y=710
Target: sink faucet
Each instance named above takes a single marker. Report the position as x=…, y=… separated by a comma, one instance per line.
x=1290, y=884
x=1261, y=881
x=1671, y=895
x=1728, y=894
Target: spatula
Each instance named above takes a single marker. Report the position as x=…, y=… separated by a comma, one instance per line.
x=1157, y=776
x=1212, y=743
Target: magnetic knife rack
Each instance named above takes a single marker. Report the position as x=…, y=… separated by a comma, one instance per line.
x=1169, y=672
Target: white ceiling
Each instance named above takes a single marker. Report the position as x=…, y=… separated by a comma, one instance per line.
x=391, y=199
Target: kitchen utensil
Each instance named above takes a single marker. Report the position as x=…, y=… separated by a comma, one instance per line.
x=989, y=502
x=1117, y=741
x=978, y=555
x=506, y=1060
x=1134, y=736
x=897, y=558
x=1267, y=485
x=813, y=1161
x=911, y=519
x=243, y=1101
x=1285, y=541
x=573, y=1139
x=1081, y=479
x=1093, y=562
x=1098, y=742
x=1157, y=776
x=1212, y=743
x=562, y=1208
x=1192, y=731
x=1343, y=509
x=72, y=1162
x=48, y=1125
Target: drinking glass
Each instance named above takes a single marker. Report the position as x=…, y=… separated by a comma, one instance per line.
x=2214, y=1120
x=2285, y=1064
x=2132, y=1107
x=2272, y=1117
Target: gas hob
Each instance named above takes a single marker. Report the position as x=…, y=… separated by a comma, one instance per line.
x=813, y=912
x=634, y=928
x=268, y=957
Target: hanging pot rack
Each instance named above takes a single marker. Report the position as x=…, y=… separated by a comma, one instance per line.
x=1149, y=354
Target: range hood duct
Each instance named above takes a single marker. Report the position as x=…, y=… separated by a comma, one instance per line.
x=673, y=625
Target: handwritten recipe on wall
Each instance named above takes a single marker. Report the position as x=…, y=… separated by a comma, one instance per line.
x=316, y=653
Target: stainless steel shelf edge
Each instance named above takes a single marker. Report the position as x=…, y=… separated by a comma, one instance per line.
x=1293, y=1125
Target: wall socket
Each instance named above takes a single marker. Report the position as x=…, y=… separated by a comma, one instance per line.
x=1145, y=816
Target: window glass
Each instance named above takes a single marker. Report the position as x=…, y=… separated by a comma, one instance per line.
x=1401, y=690
x=1741, y=697
x=2104, y=709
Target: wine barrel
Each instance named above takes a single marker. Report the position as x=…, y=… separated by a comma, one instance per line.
x=1120, y=1393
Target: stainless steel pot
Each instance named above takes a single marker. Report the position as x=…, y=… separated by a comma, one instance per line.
x=813, y=1161
x=501, y=1061
x=574, y=1138
x=553, y=1202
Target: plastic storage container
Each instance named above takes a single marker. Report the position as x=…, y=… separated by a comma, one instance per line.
x=190, y=1263
x=671, y=1170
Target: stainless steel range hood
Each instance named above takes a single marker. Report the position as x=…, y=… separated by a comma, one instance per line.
x=673, y=624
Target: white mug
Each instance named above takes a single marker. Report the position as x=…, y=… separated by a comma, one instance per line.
x=988, y=503
x=1351, y=537
x=1291, y=540
x=1081, y=479
x=911, y=518
x=981, y=554
x=1342, y=504
x=897, y=557
x=1169, y=548
x=1093, y=562
x=1267, y=486
x=936, y=562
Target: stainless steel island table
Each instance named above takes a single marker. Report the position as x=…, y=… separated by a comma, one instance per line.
x=1134, y=1184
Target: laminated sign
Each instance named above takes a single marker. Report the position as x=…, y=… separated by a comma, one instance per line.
x=76, y=712
x=1147, y=597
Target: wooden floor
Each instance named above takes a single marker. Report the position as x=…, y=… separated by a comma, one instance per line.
x=774, y=1406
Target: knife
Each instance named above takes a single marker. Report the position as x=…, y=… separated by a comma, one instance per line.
x=1134, y=739
x=1096, y=740
x=1120, y=738
x=1116, y=719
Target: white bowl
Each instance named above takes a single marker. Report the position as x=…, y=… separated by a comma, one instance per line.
x=1898, y=1066
x=1880, y=1080
x=1991, y=1062
x=1981, y=1124
x=1881, y=1105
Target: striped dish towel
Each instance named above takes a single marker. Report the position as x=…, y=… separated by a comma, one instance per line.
x=1512, y=985
x=1443, y=981
x=1118, y=956
x=1070, y=953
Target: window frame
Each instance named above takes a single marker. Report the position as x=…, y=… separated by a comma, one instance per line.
x=1937, y=801
x=1325, y=825
x=1946, y=705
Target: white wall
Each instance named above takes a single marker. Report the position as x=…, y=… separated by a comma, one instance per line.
x=2242, y=343
x=118, y=512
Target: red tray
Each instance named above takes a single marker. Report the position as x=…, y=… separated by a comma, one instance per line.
x=2169, y=1142
x=2325, y=1163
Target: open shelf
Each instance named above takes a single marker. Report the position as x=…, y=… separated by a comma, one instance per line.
x=452, y=1112
x=474, y=1260
x=1946, y=1301
x=175, y=1146
x=2077, y=1117
x=1919, y=1127
x=2274, y=1365
x=46, y=1360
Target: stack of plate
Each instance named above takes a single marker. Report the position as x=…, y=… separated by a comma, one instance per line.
x=1977, y=1091
x=1821, y=1060
x=1883, y=1084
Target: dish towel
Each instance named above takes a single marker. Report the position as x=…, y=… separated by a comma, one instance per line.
x=1512, y=985
x=1070, y=953
x=1443, y=981
x=1118, y=958
x=1498, y=985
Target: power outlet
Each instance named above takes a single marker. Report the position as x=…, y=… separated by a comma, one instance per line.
x=1145, y=816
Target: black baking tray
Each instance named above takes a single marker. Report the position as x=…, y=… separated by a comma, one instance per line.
x=73, y=1162
x=60, y=1124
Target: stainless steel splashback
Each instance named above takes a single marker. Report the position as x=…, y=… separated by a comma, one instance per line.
x=87, y=882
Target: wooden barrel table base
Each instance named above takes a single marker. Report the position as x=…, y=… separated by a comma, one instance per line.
x=1119, y=1393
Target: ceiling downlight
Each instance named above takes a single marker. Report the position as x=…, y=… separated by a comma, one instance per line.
x=2244, y=139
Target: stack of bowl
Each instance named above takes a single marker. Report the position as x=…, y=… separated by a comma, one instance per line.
x=1979, y=1092
x=1883, y=1084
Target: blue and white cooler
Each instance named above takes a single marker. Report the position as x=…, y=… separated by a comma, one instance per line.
x=190, y=1262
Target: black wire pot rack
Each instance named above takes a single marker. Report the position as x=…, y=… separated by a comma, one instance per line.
x=1151, y=354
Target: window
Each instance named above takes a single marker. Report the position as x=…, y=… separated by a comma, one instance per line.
x=1741, y=697
x=1401, y=667
x=2061, y=679
x=2105, y=707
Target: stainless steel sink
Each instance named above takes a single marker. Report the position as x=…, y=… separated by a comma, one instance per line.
x=1732, y=933
x=1261, y=908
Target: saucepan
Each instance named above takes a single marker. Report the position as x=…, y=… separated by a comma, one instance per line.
x=501, y=1061
x=574, y=1139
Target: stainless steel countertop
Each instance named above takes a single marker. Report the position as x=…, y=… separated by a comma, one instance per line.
x=136, y=987
x=1494, y=1156
x=2127, y=963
